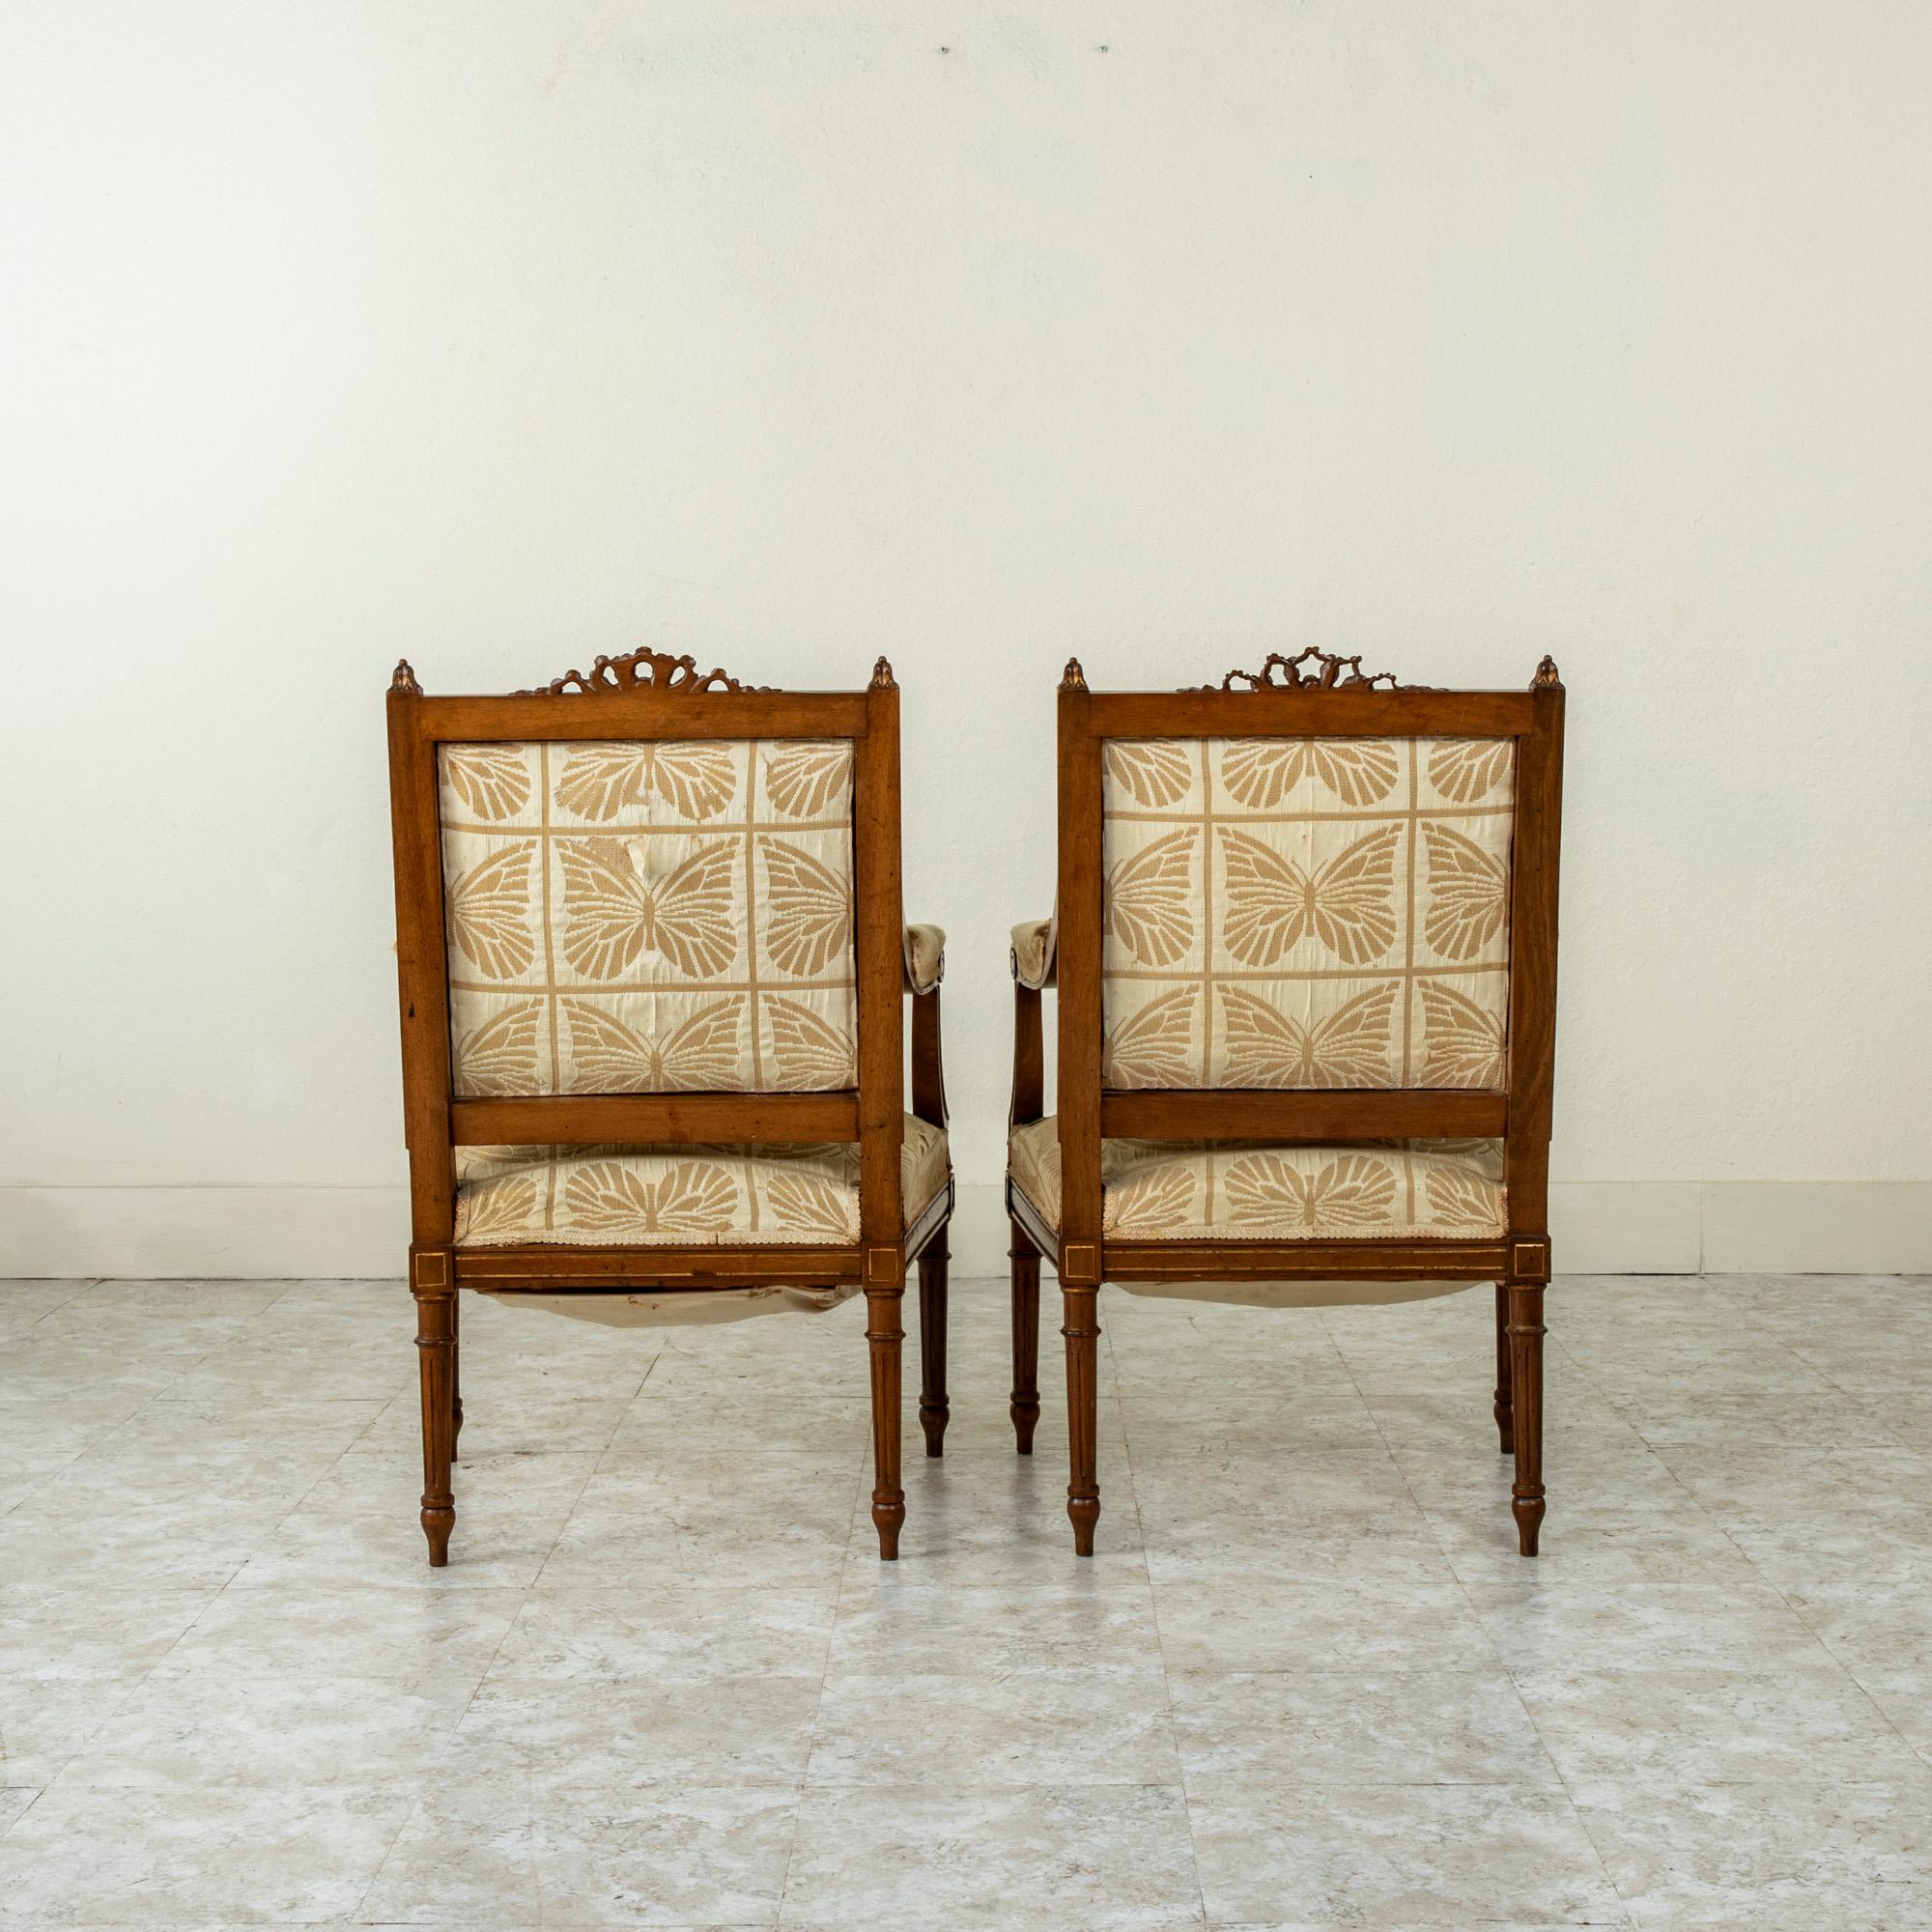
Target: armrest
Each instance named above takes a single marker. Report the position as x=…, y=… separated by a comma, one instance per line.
x=924, y=967
x=1034, y=947
x=1033, y=969
x=924, y=959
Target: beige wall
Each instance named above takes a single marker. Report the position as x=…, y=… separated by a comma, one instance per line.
x=502, y=335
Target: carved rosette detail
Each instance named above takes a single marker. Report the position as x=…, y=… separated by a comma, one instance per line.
x=640, y=670
x=1312, y=669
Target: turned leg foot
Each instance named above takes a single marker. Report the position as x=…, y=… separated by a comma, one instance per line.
x=436, y=1349
x=1528, y=1513
x=1082, y=1330
x=437, y=1524
x=885, y=1337
x=1023, y=1260
x=1082, y=1513
x=1525, y=1334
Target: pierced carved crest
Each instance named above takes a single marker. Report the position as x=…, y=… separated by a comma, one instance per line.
x=1312, y=669
x=642, y=670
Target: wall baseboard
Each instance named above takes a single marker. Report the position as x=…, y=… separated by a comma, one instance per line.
x=1764, y=1226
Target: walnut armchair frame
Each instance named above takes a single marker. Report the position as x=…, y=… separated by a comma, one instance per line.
x=1313, y=695
x=648, y=697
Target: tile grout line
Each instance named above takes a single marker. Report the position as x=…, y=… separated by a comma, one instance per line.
x=1496, y=1646
x=635, y=1396
x=1883, y=1716
x=133, y=1690
x=1696, y=1505
x=1429, y=1378
x=1731, y=1296
x=282, y=1522
x=853, y=1530
x=1576, y=1810
x=1160, y=1649
x=483, y=1676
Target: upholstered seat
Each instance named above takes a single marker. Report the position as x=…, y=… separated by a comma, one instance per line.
x=1236, y=1190
x=681, y=1196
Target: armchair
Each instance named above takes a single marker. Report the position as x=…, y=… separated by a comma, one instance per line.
x=1305, y=955
x=651, y=962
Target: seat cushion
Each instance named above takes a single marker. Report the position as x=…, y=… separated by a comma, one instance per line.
x=680, y=1196
x=1235, y=1190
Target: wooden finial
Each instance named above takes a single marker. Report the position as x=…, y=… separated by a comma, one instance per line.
x=1073, y=678
x=1545, y=678
x=882, y=675
x=404, y=680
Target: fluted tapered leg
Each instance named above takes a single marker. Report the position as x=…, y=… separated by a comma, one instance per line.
x=934, y=1411
x=1525, y=1335
x=1505, y=1380
x=1024, y=1407
x=885, y=1336
x=435, y=1352
x=1082, y=1330
x=455, y=1378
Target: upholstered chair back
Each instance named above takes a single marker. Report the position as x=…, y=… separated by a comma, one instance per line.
x=649, y=917
x=1306, y=912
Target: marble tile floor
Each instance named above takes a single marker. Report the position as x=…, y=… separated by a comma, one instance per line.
x=1306, y=1681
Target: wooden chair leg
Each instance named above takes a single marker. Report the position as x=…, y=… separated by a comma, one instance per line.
x=1525, y=1335
x=435, y=1352
x=1023, y=1260
x=884, y=1334
x=1505, y=1419
x=456, y=1377
x=1082, y=1329
x=934, y=1412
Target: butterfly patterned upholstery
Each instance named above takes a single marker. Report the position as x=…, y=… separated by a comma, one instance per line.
x=681, y=1196
x=1208, y=1190
x=649, y=917
x=1306, y=912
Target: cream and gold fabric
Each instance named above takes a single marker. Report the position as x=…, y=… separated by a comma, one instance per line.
x=1233, y=1190
x=681, y=1196
x=1306, y=912
x=649, y=918
x=925, y=957
x=1033, y=953
x=674, y=1308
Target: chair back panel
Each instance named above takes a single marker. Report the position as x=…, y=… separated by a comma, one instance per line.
x=648, y=915
x=1306, y=912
